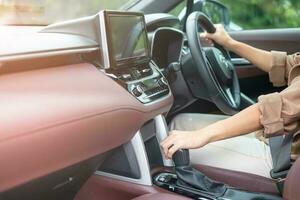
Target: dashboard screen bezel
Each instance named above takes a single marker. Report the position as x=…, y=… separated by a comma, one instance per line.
x=116, y=64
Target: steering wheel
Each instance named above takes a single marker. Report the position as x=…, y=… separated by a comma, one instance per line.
x=214, y=66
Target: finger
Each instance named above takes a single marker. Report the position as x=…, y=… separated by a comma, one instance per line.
x=167, y=145
x=219, y=27
x=203, y=35
x=211, y=43
x=166, y=151
x=207, y=36
x=171, y=135
x=172, y=150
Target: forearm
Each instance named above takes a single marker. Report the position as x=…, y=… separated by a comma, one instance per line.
x=242, y=123
x=260, y=58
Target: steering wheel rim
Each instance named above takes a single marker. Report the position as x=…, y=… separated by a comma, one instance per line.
x=226, y=98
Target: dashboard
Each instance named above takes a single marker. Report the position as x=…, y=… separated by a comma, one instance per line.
x=77, y=87
x=81, y=75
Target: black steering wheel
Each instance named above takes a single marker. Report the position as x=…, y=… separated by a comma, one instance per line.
x=214, y=66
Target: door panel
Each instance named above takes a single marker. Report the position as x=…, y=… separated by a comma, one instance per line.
x=271, y=39
x=253, y=81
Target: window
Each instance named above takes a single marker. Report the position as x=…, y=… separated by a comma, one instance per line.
x=43, y=12
x=178, y=8
x=262, y=14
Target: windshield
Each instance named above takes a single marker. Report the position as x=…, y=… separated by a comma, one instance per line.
x=44, y=12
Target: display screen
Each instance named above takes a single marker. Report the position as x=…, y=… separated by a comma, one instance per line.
x=128, y=37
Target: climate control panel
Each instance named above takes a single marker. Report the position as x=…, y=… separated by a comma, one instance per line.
x=149, y=90
x=145, y=82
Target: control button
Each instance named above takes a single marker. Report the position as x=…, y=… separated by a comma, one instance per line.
x=146, y=70
x=136, y=73
x=162, y=179
x=126, y=76
x=136, y=92
x=140, y=88
x=164, y=81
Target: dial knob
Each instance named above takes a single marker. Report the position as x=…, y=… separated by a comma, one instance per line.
x=136, y=92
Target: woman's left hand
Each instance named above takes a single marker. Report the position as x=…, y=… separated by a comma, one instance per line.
x=183, y=140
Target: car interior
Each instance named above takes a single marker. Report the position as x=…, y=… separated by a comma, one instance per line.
x=86, y=102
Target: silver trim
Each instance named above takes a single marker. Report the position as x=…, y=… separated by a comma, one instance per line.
x=143, y=163
x=230, y=97
x=104, y=44
x=152, y=95
x=159, y=100
x=240, y=61
x=162, y=131
x=46, y=54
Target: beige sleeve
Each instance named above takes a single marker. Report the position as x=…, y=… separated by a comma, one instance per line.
x=278, y=72
x=280, y=112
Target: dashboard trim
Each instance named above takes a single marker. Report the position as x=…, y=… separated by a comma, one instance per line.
x=103, y=39
x=46, y=54
x=143, y=163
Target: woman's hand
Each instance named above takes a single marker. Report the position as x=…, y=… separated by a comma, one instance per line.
x=183, y=140
x=220, y=36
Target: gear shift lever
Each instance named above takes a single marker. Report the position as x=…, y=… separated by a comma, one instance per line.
x=181, y=158
x=189, y=177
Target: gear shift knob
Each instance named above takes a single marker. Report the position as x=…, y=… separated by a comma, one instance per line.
x=181, y=158
x=187, y=176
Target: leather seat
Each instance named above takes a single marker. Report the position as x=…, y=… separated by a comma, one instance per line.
x=240, y=180
x=291, y=188
x=160, y=196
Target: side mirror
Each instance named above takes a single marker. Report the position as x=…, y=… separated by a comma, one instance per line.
x=215, y=10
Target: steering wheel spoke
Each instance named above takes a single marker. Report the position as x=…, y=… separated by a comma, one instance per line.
x=230, y=96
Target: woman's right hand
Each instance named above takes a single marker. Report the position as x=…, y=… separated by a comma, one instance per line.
x=220, y=36
x=183, y=140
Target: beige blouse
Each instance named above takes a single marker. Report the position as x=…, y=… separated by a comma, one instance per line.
x=281, y=111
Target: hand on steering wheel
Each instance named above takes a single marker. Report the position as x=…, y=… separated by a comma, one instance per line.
x=220, y=36
x=213, y=64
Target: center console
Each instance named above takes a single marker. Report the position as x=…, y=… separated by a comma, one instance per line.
x=126, y=56
x=126, y=59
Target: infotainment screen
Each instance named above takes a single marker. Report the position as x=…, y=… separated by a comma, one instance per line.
x=126, y=37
